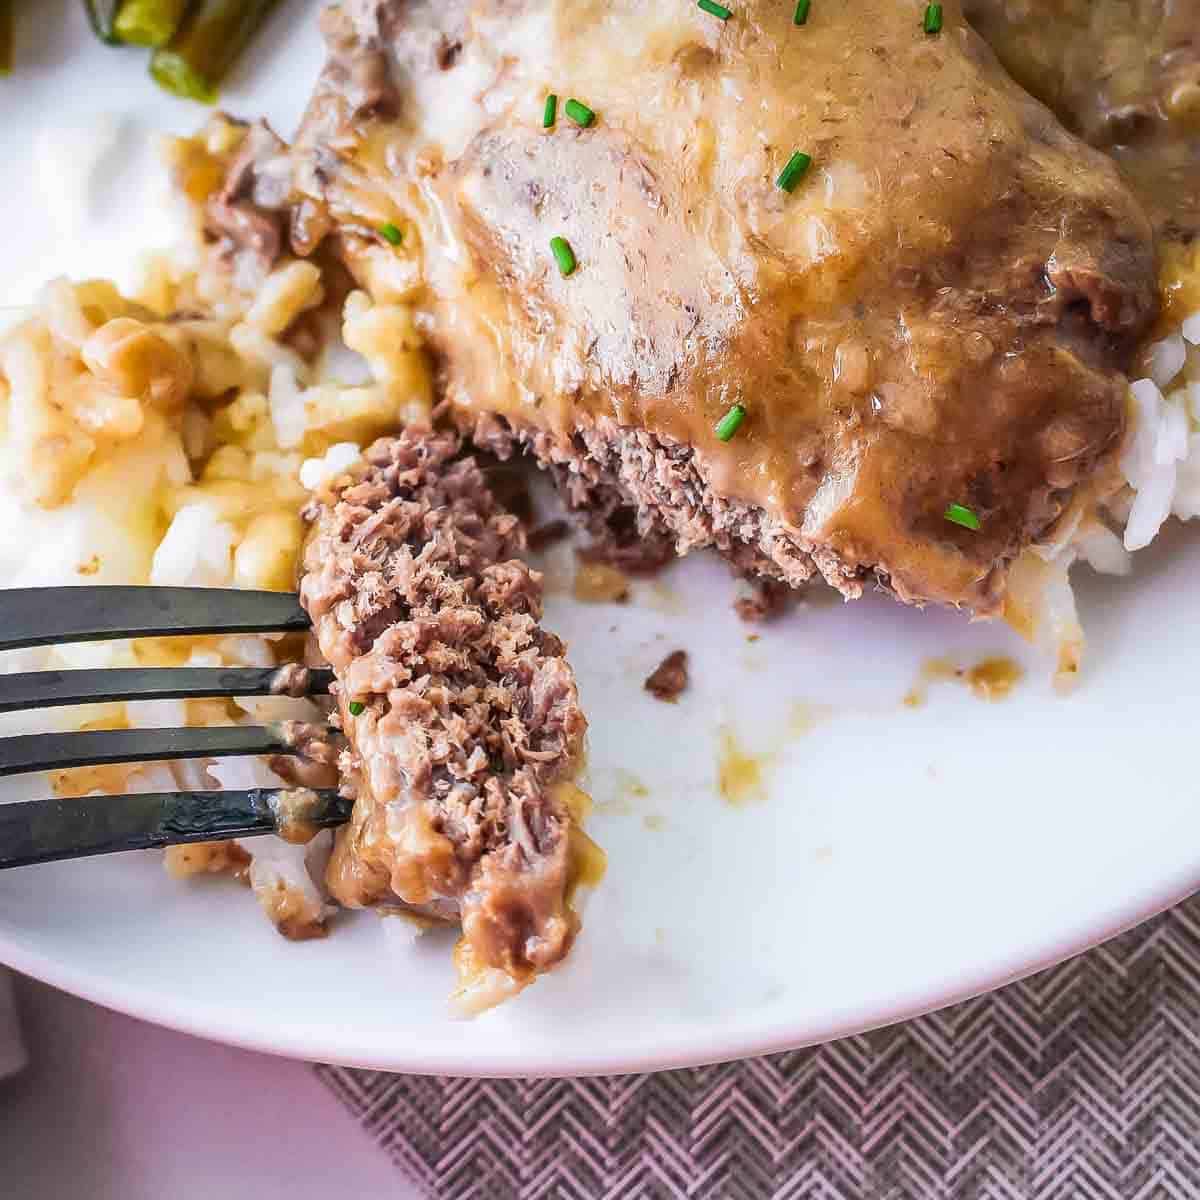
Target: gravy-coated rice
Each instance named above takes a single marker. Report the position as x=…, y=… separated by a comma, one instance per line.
x=172, y=438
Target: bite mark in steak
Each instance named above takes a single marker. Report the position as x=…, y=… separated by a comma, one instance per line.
x=461, y=712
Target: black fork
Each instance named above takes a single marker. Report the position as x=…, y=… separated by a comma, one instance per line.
x=44, y=830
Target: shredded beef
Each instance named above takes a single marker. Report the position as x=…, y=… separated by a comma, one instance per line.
x=461, y=712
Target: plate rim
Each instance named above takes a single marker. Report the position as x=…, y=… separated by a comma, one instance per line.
x=321, y=1045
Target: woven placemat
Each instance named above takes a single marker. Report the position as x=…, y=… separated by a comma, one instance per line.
x=1080, y=1082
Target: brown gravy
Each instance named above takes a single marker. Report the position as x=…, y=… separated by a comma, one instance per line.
x=991, y=678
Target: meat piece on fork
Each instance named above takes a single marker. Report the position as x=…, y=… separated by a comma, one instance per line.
x=461, y=712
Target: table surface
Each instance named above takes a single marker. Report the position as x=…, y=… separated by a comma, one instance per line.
x=114, y=1109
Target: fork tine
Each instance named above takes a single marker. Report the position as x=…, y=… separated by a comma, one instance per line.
x=45, y=830
x=50, y=689
x=42, y=616
x=94, y=747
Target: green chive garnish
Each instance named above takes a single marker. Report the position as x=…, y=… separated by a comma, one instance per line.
x=563, y=255
x=391, y=233
x=717, y=10
x=579, y=113
x=550, y=112
x=802, y=7
x=730, y=423
x=933, y=18
x=794, y=171
x=960, y=514
x=357, y=708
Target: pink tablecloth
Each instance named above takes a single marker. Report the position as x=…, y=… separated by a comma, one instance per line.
x=113, y=1109
x=12, y=1042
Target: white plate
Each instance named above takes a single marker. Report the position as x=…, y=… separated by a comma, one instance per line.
x=901, y=858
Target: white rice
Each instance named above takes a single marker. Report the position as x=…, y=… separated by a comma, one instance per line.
x=287, y=402
x=196, y=550
x=315, y=472
x=1161, y=461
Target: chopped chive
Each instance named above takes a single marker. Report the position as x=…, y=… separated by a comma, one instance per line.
x=933, y=18
x=550, y=112
x=794, y=171
x=960, y=514
x=391, y=233
x=731, y=422
x=357, y=708
x=563, y=255
x=715, y=9
x=579, y=113
x=802, y=7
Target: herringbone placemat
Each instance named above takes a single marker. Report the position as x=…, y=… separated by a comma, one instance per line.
x=1079, y=1083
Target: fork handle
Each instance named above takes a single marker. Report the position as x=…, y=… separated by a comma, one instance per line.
x=39, y=831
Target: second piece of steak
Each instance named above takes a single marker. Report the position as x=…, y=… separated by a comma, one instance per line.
x=461, y=712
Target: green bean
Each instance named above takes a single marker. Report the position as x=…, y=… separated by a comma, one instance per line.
x=149, y=22
x=206, y=45
x=6, y=37
x=102, y=14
